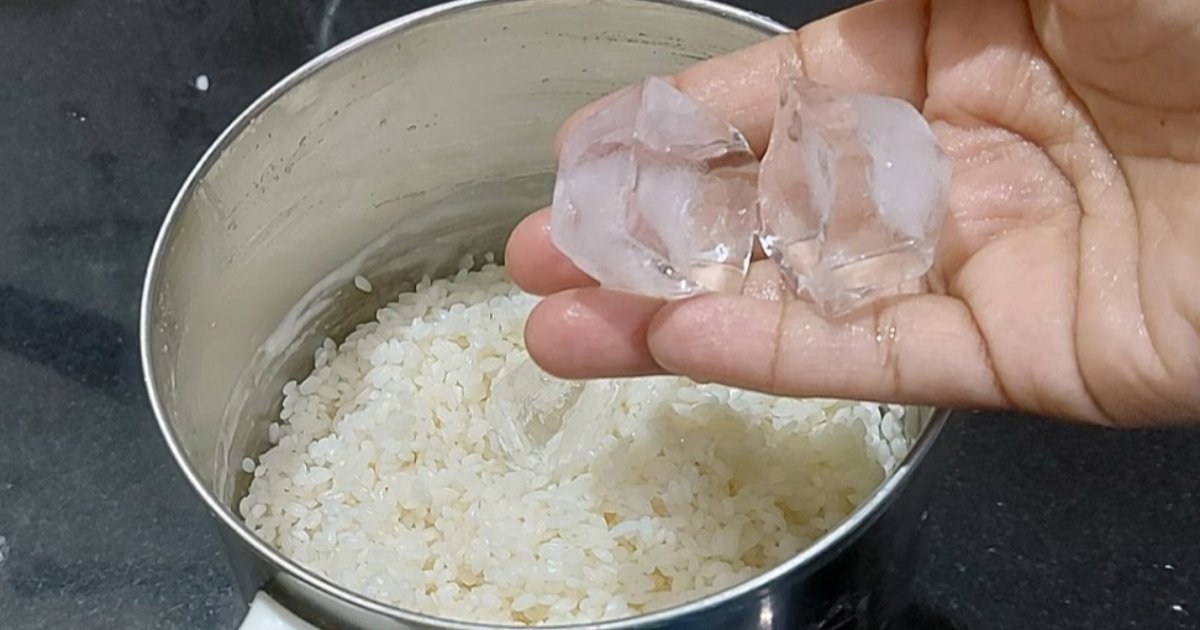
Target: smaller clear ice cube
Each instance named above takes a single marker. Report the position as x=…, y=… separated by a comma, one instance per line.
x=547, y=424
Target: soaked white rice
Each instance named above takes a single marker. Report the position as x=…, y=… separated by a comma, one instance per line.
x=383, y=477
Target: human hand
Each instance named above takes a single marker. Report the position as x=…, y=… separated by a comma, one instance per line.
x=1069, y=263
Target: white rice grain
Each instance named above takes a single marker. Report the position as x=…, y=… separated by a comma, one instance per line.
x=362, y=284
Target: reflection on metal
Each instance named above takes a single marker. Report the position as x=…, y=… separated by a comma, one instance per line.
x=325, y=30
x=766, y=615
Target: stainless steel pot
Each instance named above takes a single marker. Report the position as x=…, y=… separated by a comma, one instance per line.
x=392, y=155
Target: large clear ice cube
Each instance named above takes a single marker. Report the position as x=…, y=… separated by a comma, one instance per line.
x=655, y=195
x=852, y=193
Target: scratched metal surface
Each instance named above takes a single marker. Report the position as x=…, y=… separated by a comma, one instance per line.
x=1034, y=526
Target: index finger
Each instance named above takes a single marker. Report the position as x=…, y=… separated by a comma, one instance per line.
x=878, y=47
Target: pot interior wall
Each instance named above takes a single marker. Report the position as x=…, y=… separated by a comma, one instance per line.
x=392, y=160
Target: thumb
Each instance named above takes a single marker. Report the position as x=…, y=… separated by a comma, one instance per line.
x=919, y=349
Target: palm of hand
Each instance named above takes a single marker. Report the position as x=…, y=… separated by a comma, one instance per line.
x=1071, y=241
x=1067, y=255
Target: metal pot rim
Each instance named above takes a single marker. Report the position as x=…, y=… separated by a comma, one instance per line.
x=806, y=561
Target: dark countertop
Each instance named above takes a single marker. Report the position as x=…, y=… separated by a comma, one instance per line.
x=1035, y=525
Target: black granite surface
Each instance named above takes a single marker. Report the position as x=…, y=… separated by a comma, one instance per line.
x=1035, y=526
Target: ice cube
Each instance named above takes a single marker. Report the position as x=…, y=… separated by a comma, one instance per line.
x=525, y=408
x=852, y=192
x=548, y=424
x=655, y=195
